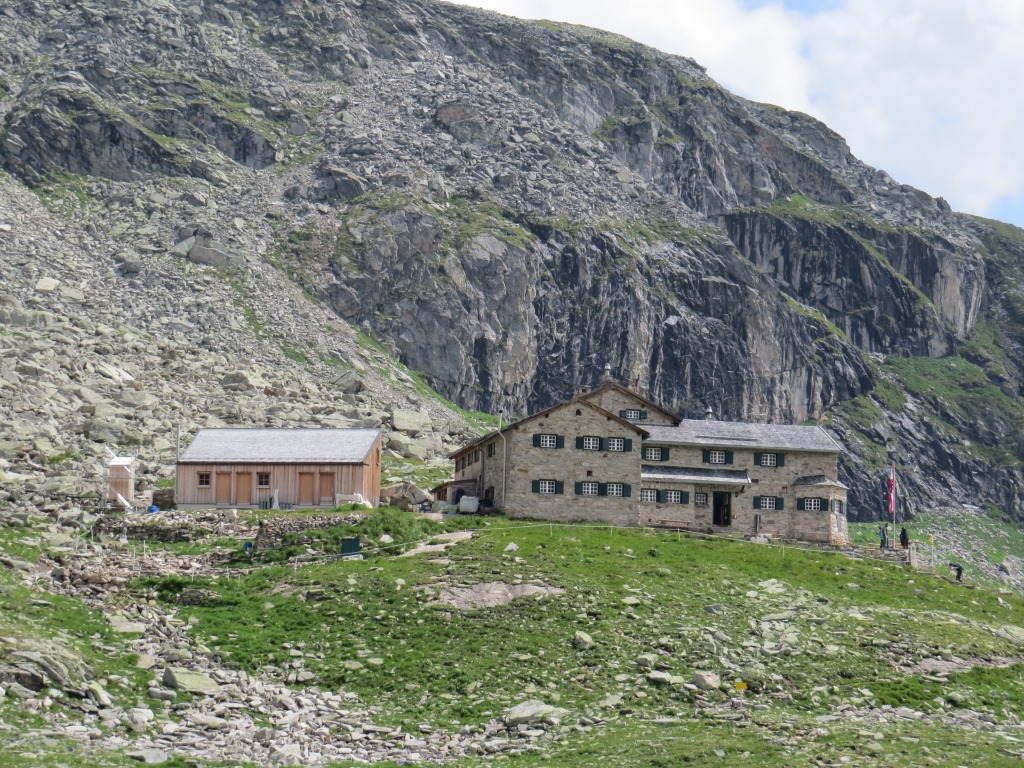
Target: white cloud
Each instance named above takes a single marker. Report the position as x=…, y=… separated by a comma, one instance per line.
x=926, y=89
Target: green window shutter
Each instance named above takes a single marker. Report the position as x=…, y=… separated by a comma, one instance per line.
x=664, y=454
x=622, y=414
x=825, y=507
x=779, y=502
x=780, y=459
x=536, y=441
x=559, y=486
x=706, y=456
x=579, y=443
x=602, y=489
x=627, y=445
x=559, y=441
x=604, y=443
x=535, y=486
x=643, y=415
x=661, y=497
x=757, y=459
x=757, y=502
x=800, y=504
x=686, y=497
x=728, y=457
x=627, y=489
x=579, y=489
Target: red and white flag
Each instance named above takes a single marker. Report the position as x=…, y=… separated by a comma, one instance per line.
x=892, y=493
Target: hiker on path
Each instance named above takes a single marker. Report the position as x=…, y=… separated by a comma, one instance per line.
x=904, y=538
x=883, y=537
x=959, y=571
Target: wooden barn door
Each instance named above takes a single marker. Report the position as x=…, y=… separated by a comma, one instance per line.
x=243, y=488
x=223, y=488
x=306, y=488
x=326, y=489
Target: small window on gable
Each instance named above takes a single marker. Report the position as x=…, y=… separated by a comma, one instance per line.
x=579, y=412
x=633, y=414
x=548, y=441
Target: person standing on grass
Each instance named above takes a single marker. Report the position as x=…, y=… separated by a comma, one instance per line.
x=904, y=538
x=883, y=537
x=959, y=571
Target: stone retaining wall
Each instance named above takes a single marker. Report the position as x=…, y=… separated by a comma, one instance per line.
x=273, y=530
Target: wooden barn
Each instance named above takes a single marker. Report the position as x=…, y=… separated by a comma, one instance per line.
x=279, y=468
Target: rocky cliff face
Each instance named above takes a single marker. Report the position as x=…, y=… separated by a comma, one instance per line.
x=303, y=197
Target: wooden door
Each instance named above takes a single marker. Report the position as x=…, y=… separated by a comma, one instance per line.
x=326, y=489
x=223, y=489
x=306, y=488
x=243, y=488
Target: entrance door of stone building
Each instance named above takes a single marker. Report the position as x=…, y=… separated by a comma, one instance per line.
x=306, y=488
x=243, y=488
x=223, y=488
x=721, y=511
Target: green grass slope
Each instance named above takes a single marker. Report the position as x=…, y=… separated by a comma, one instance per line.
x=821, y=659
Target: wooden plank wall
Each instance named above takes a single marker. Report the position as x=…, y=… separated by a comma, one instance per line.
x=348, y=479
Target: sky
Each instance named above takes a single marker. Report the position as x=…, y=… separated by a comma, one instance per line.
x=926, y=90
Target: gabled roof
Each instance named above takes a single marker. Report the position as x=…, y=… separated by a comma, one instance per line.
x=281, y=446
x=614, y=385
x=574, y=403
x=691, y=475
x=735, y=434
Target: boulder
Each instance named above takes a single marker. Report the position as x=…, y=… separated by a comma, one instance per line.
x=190, y=682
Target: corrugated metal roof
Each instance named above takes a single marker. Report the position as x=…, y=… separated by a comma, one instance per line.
x=692, y=475
x=736, y=434
x=281, y=446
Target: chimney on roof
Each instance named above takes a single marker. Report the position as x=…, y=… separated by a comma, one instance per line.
x=607, y=373
x=709, y=415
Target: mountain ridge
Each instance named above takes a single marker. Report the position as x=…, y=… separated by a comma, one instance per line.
x=502, y=206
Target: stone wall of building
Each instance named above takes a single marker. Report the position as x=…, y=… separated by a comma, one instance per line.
x=614, y=401
x=570, y=465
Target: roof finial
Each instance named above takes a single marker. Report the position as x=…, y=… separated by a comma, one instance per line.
x=709, y=414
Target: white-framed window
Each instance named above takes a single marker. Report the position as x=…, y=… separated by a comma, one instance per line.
x=769, y=459
x=700, y=499
x=648, y=494
x=633, y=414
x=673, y=497
x=767, y=502
x=614, y=489
x=546, y=486
x=204, y=479
x=588, y=488
x=591, y=443
x=716, y=457
x=616, y=444
x=263, y=479
x=652, y=454
x=812, y=505
x=548, y=441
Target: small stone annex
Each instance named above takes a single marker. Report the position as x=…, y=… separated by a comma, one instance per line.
x=279, y=467
x=612, y=456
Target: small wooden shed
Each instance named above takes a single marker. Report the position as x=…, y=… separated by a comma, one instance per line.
x=280, y=468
